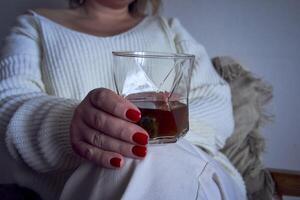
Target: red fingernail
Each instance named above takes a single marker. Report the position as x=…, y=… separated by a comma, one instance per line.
x=133, y=115
x=139, y=151
x=140, y=138
x=116, y=162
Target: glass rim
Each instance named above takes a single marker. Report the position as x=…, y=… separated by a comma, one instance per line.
x=152, y=54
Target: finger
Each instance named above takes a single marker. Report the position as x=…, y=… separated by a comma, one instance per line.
x=98, y=156
x=108, y=143
x=114, y=104
x=115, y=127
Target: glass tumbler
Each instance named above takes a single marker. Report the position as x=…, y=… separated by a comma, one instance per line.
x=158, y=84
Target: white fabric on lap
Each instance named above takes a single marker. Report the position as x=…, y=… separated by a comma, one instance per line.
x=171, y=171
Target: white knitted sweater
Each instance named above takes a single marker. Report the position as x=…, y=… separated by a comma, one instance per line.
x=46, y=69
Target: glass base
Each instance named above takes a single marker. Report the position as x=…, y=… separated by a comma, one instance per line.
x=167, y=139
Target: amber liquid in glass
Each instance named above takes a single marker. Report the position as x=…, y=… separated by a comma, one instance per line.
x=163, y=119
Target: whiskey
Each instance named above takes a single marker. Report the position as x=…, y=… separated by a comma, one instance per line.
x=163, y=119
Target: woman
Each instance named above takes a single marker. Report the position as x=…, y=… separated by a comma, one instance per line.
x=63, y=121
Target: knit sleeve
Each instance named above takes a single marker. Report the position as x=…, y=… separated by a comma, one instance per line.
x=34, y=125
x=210, y=107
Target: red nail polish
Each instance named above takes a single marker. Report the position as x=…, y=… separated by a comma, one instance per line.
x=139, y=151
x=140, y=138
x=116, y=162
x=133, y=115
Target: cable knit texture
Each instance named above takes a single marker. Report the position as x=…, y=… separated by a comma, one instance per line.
x=46, y=69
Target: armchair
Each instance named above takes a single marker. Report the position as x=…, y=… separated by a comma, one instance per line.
x=245, y=147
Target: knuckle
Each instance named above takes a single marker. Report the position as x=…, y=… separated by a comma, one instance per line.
x=99, y=120
x=97, y=140
x=88, y=153
x=78, y=112
x=98, y=96
x=92, y=92
x=101, y=94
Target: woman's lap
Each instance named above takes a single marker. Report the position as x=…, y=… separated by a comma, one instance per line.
x=172, y=171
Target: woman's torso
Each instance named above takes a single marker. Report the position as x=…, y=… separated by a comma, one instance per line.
x=73, y=63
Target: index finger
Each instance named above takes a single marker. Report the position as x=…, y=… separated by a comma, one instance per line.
x=110, y=102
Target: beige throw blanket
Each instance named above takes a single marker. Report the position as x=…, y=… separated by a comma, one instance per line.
x=245, y=147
